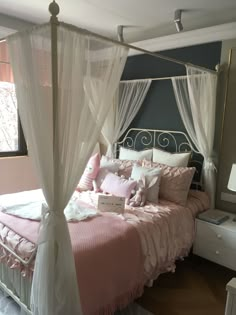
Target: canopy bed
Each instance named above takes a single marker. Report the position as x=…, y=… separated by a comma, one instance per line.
x=56, y=65
x=115, y=255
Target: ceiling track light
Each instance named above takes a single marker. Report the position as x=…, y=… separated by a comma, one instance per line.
x=177, y=20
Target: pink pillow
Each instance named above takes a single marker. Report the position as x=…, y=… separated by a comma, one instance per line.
x=175, y=182
x=118, y=186
x=90, y=173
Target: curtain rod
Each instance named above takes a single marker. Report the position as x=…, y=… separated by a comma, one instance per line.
x=155, y=79
x=161, y=78
x=154, y=54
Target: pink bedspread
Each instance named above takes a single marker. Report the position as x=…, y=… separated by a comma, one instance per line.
x=116, y=255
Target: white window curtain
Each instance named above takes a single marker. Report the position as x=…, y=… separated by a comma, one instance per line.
x=60, y=161
x=126, y=104
x=196, y=100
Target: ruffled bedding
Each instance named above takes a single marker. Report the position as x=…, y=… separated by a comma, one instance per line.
x=166, y=230
x=115, y=255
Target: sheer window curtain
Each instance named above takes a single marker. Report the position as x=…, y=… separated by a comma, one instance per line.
x=126, y=104
x=196, y=100
x=78, y=123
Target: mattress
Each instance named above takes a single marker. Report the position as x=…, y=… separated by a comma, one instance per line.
x=115, y=255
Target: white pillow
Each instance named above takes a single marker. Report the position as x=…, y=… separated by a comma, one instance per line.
x=171, y=159
x=106, y=166
x=149, y=173
x=128, y=154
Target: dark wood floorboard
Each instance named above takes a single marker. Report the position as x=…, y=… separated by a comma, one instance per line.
x=196, y=288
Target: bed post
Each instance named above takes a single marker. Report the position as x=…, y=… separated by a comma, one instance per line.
x=54, y=10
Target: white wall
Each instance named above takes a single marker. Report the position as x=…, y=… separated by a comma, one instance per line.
x=17, y=174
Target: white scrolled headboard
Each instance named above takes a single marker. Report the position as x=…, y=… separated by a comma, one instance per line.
x=168, y=140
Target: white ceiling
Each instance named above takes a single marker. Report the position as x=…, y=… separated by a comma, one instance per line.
x=145, y=18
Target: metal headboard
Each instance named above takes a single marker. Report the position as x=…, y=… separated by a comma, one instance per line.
x=168, y=140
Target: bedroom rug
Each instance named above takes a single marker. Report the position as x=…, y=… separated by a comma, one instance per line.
x=9, y=307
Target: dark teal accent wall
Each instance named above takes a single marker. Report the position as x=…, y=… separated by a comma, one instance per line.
x=159, y=110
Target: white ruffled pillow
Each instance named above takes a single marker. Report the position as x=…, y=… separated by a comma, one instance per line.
x=128, y=154
x=171, y=159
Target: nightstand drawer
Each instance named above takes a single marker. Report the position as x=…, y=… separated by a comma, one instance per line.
x=218, y=254
x=211, y=233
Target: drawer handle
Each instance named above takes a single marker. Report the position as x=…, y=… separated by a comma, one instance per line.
x=219, y=236
x=217, y=252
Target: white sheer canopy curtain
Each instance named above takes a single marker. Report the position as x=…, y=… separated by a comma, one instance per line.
x=60, y=161
x=126, y=104
x=196, y=99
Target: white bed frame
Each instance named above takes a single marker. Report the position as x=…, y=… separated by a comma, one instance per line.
x=18, y=287
x=168, y=140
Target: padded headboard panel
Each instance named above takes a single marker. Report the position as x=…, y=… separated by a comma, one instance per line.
x=169, y=140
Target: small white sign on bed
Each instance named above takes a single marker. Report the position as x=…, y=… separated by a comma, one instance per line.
x=111, y=203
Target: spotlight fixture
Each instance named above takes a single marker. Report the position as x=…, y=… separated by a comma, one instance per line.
x=177, y=20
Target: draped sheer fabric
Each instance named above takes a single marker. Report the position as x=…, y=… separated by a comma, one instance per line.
x=196, y=100
x=126, y=104
x=60, y=160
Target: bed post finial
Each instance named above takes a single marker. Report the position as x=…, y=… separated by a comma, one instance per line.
x=54, y=9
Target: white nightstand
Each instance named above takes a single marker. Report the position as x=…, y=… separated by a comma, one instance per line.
x=230, y=308
x=217, y=242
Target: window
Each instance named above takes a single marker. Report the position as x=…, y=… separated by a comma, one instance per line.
x=12, y=140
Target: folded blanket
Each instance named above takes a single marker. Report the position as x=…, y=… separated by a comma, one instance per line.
x=28, y=205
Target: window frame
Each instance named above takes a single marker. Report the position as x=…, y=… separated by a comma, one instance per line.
x=22, y=146
x=22, y=151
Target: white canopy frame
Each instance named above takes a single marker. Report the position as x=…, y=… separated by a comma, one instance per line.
x=48, y=306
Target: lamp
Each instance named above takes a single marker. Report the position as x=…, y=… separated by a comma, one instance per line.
x=232, y=178
x=177, y=20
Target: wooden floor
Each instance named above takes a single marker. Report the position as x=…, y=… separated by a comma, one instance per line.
x=196, y=288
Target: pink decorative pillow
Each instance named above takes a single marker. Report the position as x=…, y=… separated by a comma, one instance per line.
x=175, y=181
x=125, y=166
x=118, y=186
x=90, y=173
